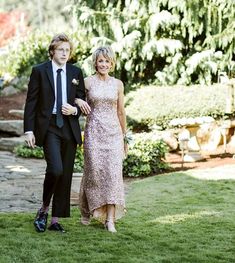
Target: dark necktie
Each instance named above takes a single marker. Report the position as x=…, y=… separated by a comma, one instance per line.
x=59, y=116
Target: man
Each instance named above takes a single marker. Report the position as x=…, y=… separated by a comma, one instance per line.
x=51, y=121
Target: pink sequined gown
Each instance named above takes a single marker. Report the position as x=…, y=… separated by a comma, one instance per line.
x=102, y=181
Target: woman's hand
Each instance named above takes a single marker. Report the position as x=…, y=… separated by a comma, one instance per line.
x=83, y=105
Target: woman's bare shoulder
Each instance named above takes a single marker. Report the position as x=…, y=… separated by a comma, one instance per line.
x=118, y=81
x=88, y=81
x=119, y=84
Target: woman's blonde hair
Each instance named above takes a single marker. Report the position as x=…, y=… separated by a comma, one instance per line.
x=107, y=52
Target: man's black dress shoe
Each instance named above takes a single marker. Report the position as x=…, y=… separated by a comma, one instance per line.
x=56, y=227
x=40, y=221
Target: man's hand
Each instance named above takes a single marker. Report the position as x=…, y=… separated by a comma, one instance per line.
x=83, y=105
x=68, y=109
x=30, y=139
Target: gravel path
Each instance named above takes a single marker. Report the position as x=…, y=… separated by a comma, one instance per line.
x=21, y=182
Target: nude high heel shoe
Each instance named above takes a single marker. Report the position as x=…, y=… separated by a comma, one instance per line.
x=85, y=220
x=109, y=225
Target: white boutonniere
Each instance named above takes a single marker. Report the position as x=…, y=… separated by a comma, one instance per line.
x=75, y=81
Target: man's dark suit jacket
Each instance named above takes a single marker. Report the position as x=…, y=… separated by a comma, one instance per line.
x=41, y=97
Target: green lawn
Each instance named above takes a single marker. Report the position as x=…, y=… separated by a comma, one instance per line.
x=171, y=218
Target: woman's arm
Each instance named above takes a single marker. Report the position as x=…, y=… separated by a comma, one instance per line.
x=121, y=113
x=120, y=107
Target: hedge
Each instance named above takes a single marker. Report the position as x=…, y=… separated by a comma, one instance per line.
x=151, y=106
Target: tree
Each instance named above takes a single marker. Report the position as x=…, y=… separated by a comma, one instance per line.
x=166, y=41
x=43, y=14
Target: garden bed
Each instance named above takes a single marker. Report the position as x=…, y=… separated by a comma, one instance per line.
x=7, y=103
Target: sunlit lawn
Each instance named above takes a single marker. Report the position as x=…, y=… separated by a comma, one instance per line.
x=171, y=218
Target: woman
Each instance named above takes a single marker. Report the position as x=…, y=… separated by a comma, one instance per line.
x=102, y=191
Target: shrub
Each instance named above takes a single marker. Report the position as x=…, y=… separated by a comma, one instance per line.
x=26, y=152
x=154, y=105
x=27, y=52
x=33, y=49
x=79, y=160
x=145, y=156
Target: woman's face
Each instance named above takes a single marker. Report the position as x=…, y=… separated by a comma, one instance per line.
x=103, y=65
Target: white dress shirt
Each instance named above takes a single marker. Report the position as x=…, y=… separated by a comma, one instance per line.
x=63, y=82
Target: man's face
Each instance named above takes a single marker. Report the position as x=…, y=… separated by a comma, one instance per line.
x=61, y=54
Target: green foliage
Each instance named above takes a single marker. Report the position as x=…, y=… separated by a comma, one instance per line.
x=164, y=41
x=27, y=52
x=40, y=13
x=145, y=156
x=153, y=105
x=161, y=42
x=33, y=49
x=79, y=160
x=26, y=152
